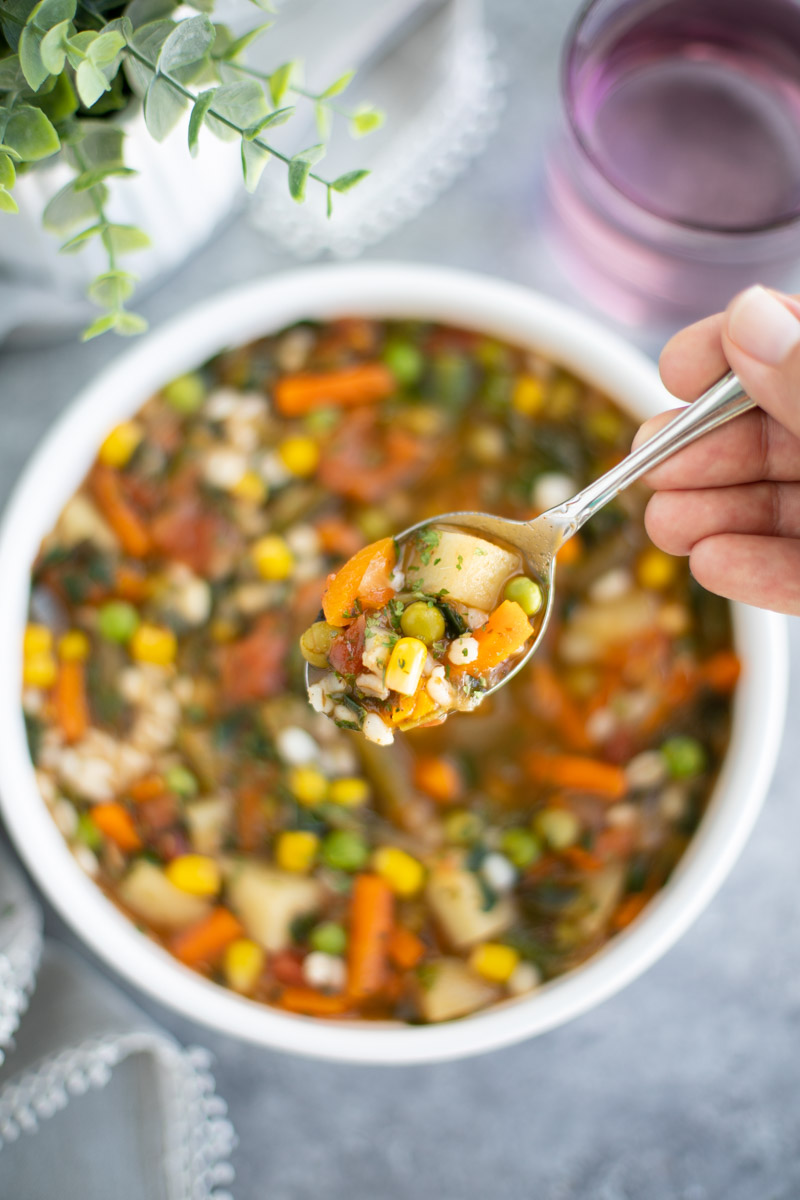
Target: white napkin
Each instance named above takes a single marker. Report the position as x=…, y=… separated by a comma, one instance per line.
x=20, y=949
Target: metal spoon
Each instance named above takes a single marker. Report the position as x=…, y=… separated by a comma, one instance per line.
x=540, y=540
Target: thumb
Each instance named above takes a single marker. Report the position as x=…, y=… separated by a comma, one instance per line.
x=761, y=341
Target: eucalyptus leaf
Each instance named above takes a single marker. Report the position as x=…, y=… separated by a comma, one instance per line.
x=7, y=172
x=67, y=209
x=60, y=101
x=102, y=144
x=365, y=121
x=30, y=57
x=345, y=182
x=188, y=42
x=53, y=48
x=11, y=77
x=298, y=175
x=104, y=52
x=198, y=115
x=338, y=87
x=324, y=118
x=13, y=15
x=243, y=103
x=163, y=107
x=90, y=82
x=279, y=117
x=112, y=289
x=31, y=134
x=143, y=12
x=90, y=179
x=235, y=48
x=279, y=82
x=7, y=202
x=101, y=325
x=77, y=242
x=313, y=154
x=264, y=5
x=203, y=6
x=254, y=160
x=4, y=149
x=49, y=13
x=129, y=324
x=127, y=239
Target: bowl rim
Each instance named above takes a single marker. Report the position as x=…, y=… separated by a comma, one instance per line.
x=379, y=289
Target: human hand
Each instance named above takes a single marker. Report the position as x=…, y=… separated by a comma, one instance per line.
x=731, y=501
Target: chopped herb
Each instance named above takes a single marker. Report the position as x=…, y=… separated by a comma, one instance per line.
x=436, y=561
x=459, y=562
x=478, y=550
x=427, y=540
x=443, y=592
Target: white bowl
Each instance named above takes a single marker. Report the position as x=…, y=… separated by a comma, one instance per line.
x=379, y=290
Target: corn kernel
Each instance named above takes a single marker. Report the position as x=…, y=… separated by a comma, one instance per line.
x=494, y=961
x=38, y=640
x=251, y=487
x=350, y=793
x=117, y=450
x=243, y=962
x=404, y=874
x=528, y=395
x=272, y=557
x=39, y=670
x=300, y=455
x=296, y=850
x=154, y=644
x=405, y=666
x=223, y=631
x=308, y=785
x=73, y=646
x=656, y=570
x=195, y=873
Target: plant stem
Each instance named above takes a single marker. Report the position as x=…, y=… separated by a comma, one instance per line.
x=99, y=208
x=212, y=112
x=298, y=91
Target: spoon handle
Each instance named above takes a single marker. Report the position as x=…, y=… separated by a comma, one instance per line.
x=721, y=403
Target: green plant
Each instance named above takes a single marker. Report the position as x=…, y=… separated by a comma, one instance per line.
x=67, y=66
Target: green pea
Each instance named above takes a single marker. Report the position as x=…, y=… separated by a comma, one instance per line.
x=521, y=847
x=88, y=833
x=345, y=850
x=181, y=781
x=424, y=621
x=329, y=938
x=558, y=827
x=526, y=593
x=185, y=394
x=684, y=756
x=316, y=642
x=463, y=828
x=405, y=361
x=117, y=621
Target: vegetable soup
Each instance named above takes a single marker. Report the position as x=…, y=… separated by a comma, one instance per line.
x=280, y=853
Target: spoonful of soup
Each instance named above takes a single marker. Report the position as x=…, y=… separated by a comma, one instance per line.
x=416, y=627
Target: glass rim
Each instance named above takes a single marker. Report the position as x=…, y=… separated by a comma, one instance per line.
x=775, y=225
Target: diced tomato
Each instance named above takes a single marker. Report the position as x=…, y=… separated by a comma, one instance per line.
x=253, y=668
x=347, y=650
x=366, y=460
x=191, y=534
x=287, y=967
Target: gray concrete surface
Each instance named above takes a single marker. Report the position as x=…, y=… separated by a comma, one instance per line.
x=683, y=1087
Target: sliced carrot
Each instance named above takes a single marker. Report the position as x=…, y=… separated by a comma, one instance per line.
x=552, y=703
x=371, y=923
x=629, y=909
x=721, y=672
x=205, y=941
x=117, y=824
x=120, y=514
x=577, y=773
x=131, y=583
x=405, y=948
x=70, y=700
x=149, y=787
x=570, y=552
x=438, y=778
x=506, y=632
x=580, y=859
x=412, y=708
x=337, y=536
x=309, y=1003
x=362, y=583
x=296, y=395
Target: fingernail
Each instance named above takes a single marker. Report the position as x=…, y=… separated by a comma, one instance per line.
x=763, y=327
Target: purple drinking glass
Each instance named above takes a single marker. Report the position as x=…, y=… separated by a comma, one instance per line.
x=677, y=179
